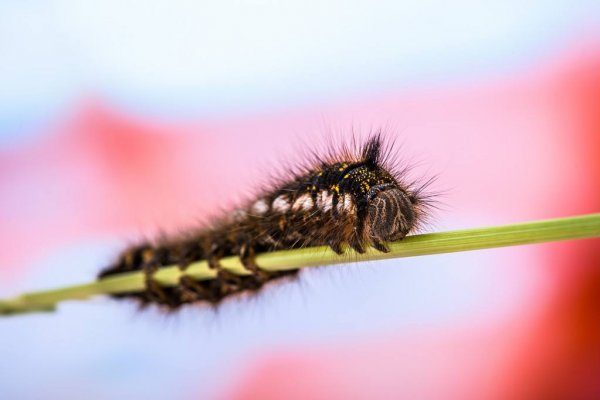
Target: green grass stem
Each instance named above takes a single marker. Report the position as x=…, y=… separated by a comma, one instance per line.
x=578, y=227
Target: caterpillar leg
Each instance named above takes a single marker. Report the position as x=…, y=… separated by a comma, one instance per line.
x=259, y=276
x=357, y=245
x=247, y=254
x=336, y=246
x=154, y=292
x=380, y=246
x=357, y=238
x=191, y=291
x=226, y=282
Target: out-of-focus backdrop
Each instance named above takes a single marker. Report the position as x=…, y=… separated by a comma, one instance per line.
x=120, y=120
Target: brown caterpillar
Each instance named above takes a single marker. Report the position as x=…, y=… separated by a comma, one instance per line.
x=355, y=197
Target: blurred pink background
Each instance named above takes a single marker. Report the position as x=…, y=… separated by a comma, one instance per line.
x=510, y=124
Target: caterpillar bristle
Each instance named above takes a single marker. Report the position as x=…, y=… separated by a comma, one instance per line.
x=354, y=196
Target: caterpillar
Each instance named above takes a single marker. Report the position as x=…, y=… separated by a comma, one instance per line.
x=355, y=195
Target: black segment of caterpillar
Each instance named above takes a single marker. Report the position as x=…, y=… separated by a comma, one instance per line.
x=353, y=198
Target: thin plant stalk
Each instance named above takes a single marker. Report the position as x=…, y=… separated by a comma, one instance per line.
x=578, y=227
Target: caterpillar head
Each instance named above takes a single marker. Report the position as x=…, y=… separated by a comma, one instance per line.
x=390, y=213
x=390, y=210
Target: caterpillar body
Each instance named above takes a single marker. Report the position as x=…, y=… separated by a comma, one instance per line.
x=354, y=197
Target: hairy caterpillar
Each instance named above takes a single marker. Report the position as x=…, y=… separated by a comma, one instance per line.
x=354, y=197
